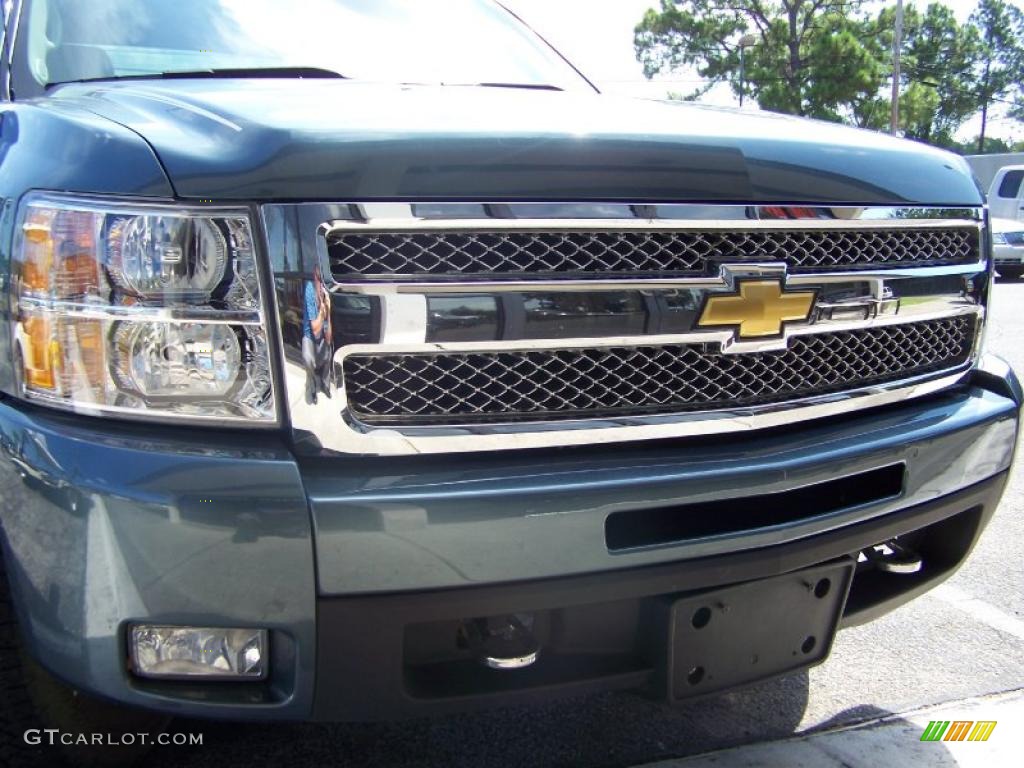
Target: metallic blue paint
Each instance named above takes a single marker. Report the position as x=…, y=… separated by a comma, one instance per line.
x=441, y=524
x=346, y=140
x=106, y=526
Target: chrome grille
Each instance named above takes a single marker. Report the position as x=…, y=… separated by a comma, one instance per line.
x=356, y=255
x=610, y=381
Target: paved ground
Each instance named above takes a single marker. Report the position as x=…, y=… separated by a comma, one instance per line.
x=894, y=739
x=964, y=640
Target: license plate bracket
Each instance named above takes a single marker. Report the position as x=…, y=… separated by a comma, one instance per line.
x=741, y=634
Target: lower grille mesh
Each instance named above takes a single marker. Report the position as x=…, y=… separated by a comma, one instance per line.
x=453, y=387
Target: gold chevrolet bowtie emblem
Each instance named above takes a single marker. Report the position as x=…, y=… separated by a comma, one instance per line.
x=760, y=308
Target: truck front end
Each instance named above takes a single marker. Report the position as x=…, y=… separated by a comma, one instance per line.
x=336, y=399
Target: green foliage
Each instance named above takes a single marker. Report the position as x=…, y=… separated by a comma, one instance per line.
x=832, y=59
x=993, y=146
x=940, y=57
x=809, y=57
x=1000, y=70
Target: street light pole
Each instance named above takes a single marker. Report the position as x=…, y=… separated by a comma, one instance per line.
x=897, y=49
x=743, y=82
x=745, y=42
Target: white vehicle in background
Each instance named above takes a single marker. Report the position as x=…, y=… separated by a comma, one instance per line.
x=1008, y=246
x=1006, y=195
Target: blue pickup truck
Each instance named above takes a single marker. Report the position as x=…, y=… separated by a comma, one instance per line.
x=360, y=360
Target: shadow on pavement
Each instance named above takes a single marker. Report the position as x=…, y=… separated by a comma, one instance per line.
x=618, y=729
x=881, y=739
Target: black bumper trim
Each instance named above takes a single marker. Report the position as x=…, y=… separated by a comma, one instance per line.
x=360, y=668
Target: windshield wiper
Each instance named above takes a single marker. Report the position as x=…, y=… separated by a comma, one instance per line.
x=226, y=72
x=527, y=86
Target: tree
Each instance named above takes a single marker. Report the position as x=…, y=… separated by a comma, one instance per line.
x=1001, y=27
x=993, y=146
x=810, y=57
x=940, y=59
x=830, y=59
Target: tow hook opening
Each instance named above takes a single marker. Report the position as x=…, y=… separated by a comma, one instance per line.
x=890, y=572
x=501, y=642
x=892, y=557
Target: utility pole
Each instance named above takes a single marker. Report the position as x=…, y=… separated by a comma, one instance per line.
x=897, y=50
x=745, y=42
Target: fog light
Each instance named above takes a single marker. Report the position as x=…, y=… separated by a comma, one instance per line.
x=186, y=652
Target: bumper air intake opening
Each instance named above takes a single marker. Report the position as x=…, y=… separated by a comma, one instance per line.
x=631, y=529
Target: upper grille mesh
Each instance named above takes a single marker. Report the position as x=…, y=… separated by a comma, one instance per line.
x=455, y=253
x=439, y=388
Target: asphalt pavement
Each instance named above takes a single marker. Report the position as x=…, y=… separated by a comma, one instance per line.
x=960, y=642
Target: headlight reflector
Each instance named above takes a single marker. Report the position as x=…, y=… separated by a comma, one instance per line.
x=145, y=310
x=999, y=238
x=152, y=256
x=160, y=359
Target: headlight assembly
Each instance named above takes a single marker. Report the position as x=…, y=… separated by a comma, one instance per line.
x=140, y=310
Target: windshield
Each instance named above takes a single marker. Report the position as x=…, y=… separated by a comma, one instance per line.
x=406, y=41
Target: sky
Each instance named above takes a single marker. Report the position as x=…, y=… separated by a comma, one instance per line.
x=597, y=36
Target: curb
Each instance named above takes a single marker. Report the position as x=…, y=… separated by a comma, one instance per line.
x=890, y=740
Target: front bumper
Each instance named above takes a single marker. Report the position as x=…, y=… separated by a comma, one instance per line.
x=1008, y=255
x=595, y=633
x=360, y=567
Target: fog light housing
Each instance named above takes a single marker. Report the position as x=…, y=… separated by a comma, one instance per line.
x=198, y=652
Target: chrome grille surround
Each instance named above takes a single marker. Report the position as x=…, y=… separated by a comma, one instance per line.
x=356, y=255
x=385, y=322
x=439, y=388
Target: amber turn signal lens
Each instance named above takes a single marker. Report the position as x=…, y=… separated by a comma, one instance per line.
x=40, y=353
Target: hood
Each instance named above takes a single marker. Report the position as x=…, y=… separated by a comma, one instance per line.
x=230, y=139
x=1006, y=225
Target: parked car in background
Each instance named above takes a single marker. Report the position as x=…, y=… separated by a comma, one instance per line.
x=1008, y=246
x=1006, y=193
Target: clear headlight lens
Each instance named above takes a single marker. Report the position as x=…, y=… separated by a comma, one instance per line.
x=148, y=310
x=168, y=255
x=164, y=360
x=999, y=238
